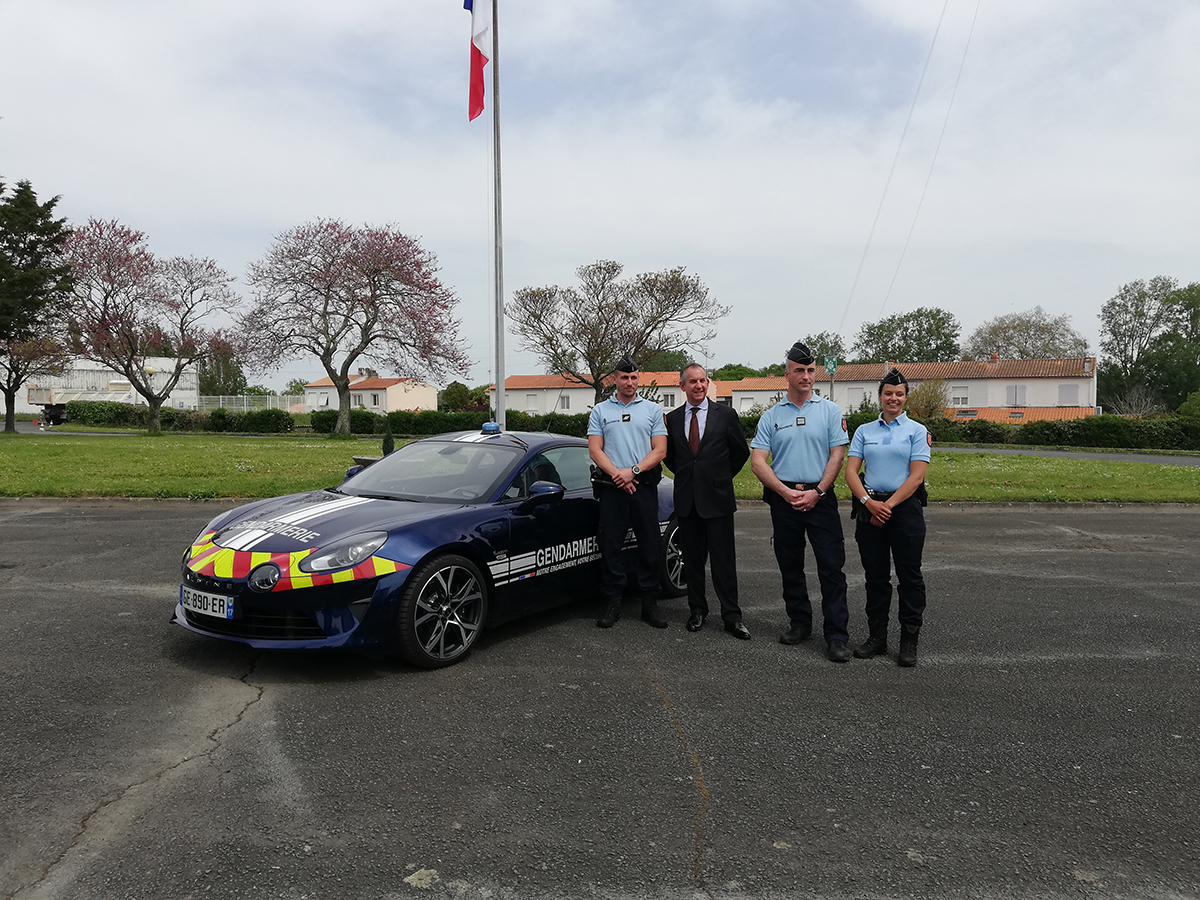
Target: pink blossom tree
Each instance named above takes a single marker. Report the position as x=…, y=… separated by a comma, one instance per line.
x=346, y=295
x=129, y=305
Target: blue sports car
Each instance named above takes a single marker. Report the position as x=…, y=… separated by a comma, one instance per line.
x=418, y=552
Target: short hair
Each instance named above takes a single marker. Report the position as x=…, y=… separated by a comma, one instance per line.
x=691, y=365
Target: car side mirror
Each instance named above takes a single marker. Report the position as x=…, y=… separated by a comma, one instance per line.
x=352, y=471
x=541, y=493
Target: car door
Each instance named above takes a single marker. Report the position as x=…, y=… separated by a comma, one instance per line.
x=553, y=551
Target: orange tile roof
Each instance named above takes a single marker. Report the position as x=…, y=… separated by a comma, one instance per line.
x=761, y=383
x=559, y=382
x=723, y=388
x=1017, y=414
x=375, y=384
x=361, y=382
x=1083, y=367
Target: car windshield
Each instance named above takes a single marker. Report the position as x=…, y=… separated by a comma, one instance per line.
x=437, y=471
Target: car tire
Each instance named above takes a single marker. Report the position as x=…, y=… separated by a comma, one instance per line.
x=673, y=582
x=442, y=611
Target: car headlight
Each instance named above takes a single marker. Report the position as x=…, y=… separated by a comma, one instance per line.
x=345, y=553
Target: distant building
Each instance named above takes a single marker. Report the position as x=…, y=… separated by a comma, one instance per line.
x=370, y=392
x=1008, y=390
x=541, y=394
x=88, y=380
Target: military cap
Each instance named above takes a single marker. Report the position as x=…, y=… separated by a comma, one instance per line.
x=626, y=364
x=801, y=354
x=894, y=377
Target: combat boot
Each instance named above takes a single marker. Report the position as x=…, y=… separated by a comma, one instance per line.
x=908, y=645
x=652, y=614
x=611, y=613
x=876, y=643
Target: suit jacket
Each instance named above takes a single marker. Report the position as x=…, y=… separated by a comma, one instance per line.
x=704, y=482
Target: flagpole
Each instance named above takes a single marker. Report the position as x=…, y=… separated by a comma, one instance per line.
x=498, y=249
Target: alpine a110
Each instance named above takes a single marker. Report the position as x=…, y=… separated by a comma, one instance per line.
x=418, y=552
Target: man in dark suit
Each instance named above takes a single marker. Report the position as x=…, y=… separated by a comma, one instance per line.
x=705, y=449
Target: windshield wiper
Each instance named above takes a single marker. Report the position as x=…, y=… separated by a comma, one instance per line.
x=384, y=497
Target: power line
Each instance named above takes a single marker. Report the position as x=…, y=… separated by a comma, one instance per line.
x=932, y=162
x=892, y=171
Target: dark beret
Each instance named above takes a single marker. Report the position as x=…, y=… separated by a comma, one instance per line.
x=801, y=354
x=626, y=364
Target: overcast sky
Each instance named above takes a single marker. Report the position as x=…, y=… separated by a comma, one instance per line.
x=749, y=141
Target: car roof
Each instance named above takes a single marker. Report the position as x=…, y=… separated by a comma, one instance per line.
x=526, y=440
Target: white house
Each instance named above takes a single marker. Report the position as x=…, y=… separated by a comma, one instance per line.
x=370, y=392
x=541, y=394
x=1024, y=389
x=88, y=380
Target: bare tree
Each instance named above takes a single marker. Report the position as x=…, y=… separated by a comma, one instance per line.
x=130, y=306
x=345, y=294
x=582, y=332
x=1136, y=400
x=1026, y=335
x=928, y=399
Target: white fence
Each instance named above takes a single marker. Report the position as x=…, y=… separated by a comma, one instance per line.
x=250, y=402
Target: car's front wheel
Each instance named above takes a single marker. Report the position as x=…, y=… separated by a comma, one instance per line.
x=674, y=584
x=442, y=611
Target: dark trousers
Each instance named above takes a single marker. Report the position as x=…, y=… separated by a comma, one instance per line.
x=902, y=539
x=701, y=538
x=823, y=528
x=619, y=512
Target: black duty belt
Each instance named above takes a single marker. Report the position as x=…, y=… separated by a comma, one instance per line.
x=802, y=485
x=880, y=495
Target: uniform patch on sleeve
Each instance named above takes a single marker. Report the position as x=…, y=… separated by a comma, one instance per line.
x=929, y=438
x=843, y=424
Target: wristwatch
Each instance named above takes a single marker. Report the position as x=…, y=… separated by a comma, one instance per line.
x=636, y=469
x=820, y=493
x=863, y=499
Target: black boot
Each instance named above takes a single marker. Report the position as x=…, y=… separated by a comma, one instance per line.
x=652, y=614
x=876, y=643
x=908, y=645
x=611, y=613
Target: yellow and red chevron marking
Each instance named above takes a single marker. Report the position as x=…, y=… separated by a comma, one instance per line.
x=221, y=562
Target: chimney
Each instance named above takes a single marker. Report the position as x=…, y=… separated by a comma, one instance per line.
x=994, y=360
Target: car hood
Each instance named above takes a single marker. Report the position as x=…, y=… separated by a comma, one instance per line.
x=307, y=521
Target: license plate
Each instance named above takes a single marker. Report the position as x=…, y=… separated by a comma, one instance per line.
x=215, y=605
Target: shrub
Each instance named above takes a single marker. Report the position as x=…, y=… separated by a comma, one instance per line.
x=943, y=430
x=189, y=420
x=105, y=413
x=981, y=431
x=324, y=421
x=268, y=421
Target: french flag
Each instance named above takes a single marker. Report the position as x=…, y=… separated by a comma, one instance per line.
x=481, y=29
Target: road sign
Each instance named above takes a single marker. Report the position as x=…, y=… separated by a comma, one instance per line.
x=830, y=365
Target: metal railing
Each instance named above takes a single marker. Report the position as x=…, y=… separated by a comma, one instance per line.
x=248, y=402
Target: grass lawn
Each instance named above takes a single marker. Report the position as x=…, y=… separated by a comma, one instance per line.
x=193, y=466
x=206, y=466
x=994, y=477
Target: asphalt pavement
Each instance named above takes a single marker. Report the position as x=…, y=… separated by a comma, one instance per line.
x=1045, y=746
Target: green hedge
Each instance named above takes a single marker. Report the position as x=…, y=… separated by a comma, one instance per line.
x=362, y=421
x=255, y=421
x=106, y=414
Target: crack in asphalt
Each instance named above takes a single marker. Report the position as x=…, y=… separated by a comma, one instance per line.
x=700, y=819
x=215, y=736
